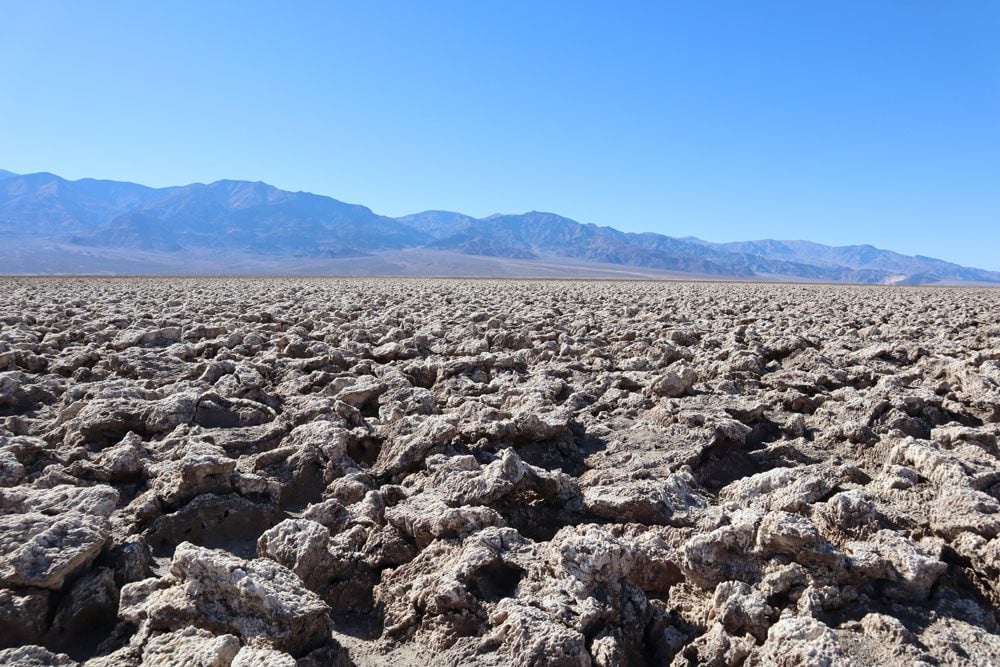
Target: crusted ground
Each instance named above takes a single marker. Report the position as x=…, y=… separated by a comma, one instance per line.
x=443, y=472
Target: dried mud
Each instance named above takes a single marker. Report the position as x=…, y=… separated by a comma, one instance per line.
x=450, y=472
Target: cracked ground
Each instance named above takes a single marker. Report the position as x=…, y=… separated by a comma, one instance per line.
x=229, y=472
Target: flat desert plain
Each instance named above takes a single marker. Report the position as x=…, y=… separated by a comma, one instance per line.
x=455, y=472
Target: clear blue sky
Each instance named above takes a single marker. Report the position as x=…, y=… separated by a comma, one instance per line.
x=841, y=122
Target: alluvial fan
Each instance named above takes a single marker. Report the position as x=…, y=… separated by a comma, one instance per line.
x=449, y=472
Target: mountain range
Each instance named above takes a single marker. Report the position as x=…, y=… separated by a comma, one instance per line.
x=53, y=225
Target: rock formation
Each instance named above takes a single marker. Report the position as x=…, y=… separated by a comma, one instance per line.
x=243, y=472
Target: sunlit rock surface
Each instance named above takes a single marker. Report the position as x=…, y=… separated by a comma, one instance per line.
x=448, y=472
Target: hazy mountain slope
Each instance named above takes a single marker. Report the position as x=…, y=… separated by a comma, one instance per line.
x=47, y=205
x=253, y=216
x=550, y=234
x=259, y=216
x=858, y=257
x=6, y=174
x=438, y=224
x=240, y=226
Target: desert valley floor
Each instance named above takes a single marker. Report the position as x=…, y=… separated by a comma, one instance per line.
x=362, y=472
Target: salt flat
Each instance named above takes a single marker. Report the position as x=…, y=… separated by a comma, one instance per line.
x=376, y=471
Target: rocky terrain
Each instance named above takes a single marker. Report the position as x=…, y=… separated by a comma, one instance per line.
x=234, y=472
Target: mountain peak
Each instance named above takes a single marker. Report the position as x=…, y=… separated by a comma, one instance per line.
x=246, y=224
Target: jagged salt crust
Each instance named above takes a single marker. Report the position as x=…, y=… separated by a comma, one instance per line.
x=242, y=472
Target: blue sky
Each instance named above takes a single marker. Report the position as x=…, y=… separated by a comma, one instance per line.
x=840, y=122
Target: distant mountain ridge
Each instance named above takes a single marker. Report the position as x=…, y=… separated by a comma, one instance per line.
x=242, y=225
